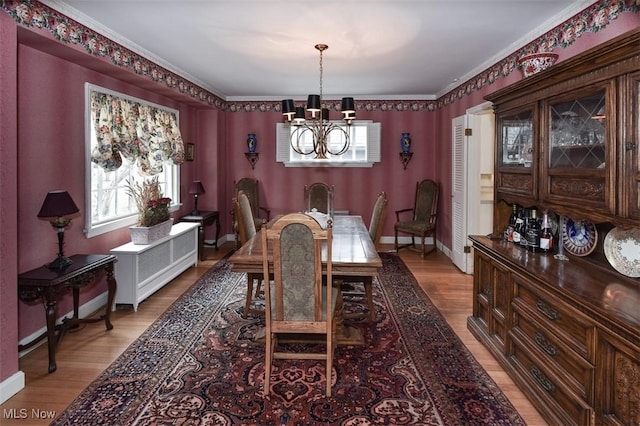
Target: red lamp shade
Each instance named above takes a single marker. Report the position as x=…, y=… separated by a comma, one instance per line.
x=196, y=188
x=57, y=204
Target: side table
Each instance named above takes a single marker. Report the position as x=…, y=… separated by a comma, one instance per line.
x=204, y=218
x=48, y=285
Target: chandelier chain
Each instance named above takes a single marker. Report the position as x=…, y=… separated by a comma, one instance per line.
x=321, y=70
x=318, y=125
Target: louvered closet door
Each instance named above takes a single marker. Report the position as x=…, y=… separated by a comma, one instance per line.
x=458, y=193
x=472, y=181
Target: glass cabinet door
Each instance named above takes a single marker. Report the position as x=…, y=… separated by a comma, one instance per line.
x=576, y=150
x=517, y=139
x=577, y=133
x=515, y=177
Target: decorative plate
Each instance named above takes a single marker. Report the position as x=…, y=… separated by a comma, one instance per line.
x=579, y=237
x=622, y=249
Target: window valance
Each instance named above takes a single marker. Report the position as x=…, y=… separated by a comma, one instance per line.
x=145, y=135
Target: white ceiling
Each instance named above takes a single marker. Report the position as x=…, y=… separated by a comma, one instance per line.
x=378, y=49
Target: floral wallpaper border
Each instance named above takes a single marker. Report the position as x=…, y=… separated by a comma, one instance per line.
x=31, y=13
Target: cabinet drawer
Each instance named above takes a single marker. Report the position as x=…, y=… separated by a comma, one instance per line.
x=568, y=407
x=567, y=324
x=576, y=372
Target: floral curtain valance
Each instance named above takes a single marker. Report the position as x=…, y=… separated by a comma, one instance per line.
x=145, y=135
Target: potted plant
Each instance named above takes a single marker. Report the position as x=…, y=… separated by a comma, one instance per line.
x=154, y=220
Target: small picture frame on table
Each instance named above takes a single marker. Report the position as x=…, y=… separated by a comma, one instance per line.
x=189, y=152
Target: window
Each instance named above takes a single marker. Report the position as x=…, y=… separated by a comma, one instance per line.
x=364, y=149
x=109, y=206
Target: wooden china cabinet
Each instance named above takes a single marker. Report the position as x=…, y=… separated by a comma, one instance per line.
x=568, y=332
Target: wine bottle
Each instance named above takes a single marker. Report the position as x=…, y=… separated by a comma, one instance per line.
x=546, y=234
x=533, y=232
x=512, y=223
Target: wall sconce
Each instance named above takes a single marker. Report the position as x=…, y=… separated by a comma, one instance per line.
x=196, y=189
x=56, y=206
x=251, y=154
x=405, y=154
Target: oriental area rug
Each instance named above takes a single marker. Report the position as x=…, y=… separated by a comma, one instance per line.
x=200, y=364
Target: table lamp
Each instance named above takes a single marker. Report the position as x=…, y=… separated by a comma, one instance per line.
x=57, y=205
x=196, y=189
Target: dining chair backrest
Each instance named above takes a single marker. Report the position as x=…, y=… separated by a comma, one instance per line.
x=251, y=189
x=378, y=216
x=319, y=196
x=426, y=201
x=244, y=217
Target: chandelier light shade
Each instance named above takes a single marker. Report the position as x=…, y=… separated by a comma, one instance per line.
x=317, y=122
x=56, y=206
x=196, y=189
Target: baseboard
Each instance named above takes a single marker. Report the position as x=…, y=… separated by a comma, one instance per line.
x=93, y=305
x=223, y=239
x=402, y=240
x=11, y=386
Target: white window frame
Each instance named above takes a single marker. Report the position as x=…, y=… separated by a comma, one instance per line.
x=286, y=155
x=169, y=178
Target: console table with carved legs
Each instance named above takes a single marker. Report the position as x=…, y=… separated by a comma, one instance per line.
x=49, y=285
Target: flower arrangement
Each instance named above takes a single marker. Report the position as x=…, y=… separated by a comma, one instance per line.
x=153, y=207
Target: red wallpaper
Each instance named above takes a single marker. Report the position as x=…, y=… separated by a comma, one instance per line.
x=42, y=147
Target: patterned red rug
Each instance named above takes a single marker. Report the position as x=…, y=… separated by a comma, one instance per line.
x=199, y=364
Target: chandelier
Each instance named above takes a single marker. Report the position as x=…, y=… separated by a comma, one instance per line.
x=318, y=124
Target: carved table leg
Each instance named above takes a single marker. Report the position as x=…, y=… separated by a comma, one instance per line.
x=201, y=242
x=368, y=291
x=111, y=295
x=217, y=219
x=51, y=333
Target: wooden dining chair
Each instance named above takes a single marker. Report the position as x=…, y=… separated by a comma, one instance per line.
x=319, y=196
x=251, y=188
x=246, y=230
x=297, y=303
x=378, y=215
x=422, y=223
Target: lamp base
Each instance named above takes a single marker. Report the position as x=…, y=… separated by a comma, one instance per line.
x=194, y=213
x=60, y=263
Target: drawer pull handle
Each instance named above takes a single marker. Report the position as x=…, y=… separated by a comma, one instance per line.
x=487, y=291
x=542, y=379
x=547, y=310
x=546, y=345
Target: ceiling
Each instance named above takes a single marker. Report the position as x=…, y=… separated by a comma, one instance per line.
x=378, y=49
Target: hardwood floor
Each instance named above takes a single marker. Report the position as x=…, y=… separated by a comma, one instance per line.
x=84, y=354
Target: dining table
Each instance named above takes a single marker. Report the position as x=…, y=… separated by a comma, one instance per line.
x=353, y=255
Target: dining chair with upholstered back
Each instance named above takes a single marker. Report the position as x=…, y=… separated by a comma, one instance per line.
x=422, y=223
x=297, y=302
x=319, y=196
x=246, y=229
x=261, y=214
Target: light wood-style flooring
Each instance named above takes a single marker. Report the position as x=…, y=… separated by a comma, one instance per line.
x=84, y=354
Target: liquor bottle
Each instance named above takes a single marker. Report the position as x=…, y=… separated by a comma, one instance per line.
x=546, y=234
x=533, y=232
x=512, y=223
x=516, y=235
x=526, y=214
